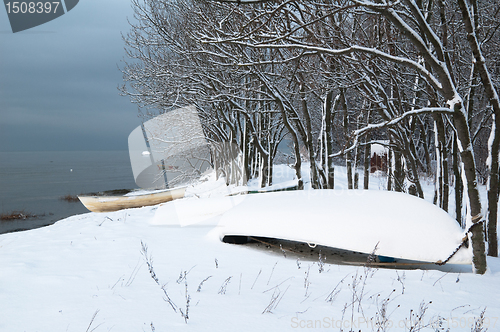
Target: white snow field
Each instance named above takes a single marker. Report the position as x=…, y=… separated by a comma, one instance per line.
x=164, y=268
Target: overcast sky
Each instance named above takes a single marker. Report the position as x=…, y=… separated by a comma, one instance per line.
x=58, y=81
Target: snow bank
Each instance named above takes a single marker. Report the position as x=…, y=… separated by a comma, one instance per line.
x=58, y=277
x=87, y=272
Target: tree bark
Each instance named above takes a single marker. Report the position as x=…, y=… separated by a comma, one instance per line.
x=441, y=150
x=491, y=93
x=346, y=137
x=469, y=168
x=399, y=174
x=308, y=139
x=330, y=107
x=296, y=148
x=493, y=188
x=425, y=144
x=458, y=182
x=390, y=176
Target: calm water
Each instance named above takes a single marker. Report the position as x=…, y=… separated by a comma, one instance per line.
x=34, y=182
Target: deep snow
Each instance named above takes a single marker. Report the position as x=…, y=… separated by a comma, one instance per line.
x=89, y=272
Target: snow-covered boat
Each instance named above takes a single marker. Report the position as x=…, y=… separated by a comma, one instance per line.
x=389, y=224
x=115, y=200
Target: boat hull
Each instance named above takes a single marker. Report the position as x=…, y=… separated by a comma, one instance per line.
x=109, y=203
x=390, y=224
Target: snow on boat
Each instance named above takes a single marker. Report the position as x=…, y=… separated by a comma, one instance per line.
x=115, y=200
x=393, y=224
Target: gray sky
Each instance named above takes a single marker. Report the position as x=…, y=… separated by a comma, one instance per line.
x=58, y=81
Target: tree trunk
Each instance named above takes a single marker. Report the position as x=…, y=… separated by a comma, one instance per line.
x=443, y=178
x=446, y=181
x=494, y=146
x=270, y=162
x=399, y=175
x=426, y=144
x=264, y=176
x=245, y=147
x=459, y=188
x=347, y=141
x=367, y=156
x=349, y=171
x=469, y=168
x=309, y=141
x=296, y=148
x=367, y=166
x=389, y=169
x=356, y=163
x=484, y=74
x=330, y=107
x=411, y=159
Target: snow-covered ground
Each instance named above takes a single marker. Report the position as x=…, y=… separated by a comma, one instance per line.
x=143, y=270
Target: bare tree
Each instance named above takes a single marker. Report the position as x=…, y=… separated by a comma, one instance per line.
x=260, y=71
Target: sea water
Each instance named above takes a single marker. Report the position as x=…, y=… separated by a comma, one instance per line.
x=35, y=182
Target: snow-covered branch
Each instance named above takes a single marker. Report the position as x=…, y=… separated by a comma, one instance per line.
x=339, y=52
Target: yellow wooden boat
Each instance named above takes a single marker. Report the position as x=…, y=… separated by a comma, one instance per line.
x=115, y=200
